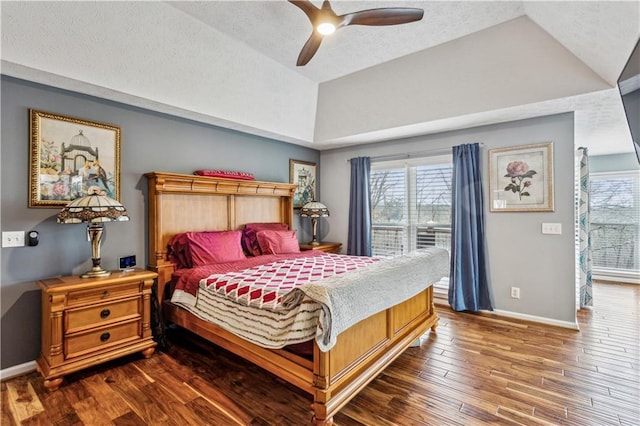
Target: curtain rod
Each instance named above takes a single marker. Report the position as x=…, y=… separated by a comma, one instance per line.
x=414, y=154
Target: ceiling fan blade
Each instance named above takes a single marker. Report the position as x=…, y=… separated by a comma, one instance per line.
x=383, y=16
x=309, y=49
x=307, y=7
x=327, y=6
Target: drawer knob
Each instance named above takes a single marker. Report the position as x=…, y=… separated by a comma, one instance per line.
x=104, y=337
x=105, y=313
x=105, y=294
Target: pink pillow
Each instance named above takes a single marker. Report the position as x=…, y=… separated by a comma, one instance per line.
x=206, y=248
x=278, y=242
x=249, y=239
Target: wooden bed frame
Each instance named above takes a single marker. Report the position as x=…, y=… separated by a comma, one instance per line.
x=179, y=203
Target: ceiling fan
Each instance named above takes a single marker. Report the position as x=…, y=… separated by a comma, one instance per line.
x=325, y=22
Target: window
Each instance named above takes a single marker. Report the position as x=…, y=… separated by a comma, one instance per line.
x=411, y=205
x=615, y=221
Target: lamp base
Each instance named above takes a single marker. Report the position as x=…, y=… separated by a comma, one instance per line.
x=96, y=272
x=314, y=224
x=95, y=230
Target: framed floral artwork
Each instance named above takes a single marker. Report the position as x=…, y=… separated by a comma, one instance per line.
x=303, y=174
x=521, y=178
x=68, y=155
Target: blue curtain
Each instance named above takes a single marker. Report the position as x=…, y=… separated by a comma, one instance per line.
x=468, y=281
x=359, y=241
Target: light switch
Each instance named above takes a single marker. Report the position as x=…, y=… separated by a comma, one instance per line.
x=552, y=228
x=13, y=239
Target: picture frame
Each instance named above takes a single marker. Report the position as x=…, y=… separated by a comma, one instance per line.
x=303, y=174
x=67, y=155
x=521, y=178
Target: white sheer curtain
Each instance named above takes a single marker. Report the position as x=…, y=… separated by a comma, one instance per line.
x=584, y=280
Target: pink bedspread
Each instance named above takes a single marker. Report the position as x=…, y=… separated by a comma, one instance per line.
x=262, y=281
x=263, y=286
x=188, y=280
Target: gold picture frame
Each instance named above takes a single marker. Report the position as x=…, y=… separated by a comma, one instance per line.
x=67, y=155
x=303, y=174
x=521, y=178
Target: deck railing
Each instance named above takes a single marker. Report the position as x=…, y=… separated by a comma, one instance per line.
x=389, y=240
x=615, y=245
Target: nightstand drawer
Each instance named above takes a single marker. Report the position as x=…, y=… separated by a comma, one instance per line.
x=102, y=293
x=97, y=315
x=99, y=339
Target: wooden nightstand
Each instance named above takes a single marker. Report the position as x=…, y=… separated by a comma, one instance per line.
x=325, y=247
x=87, y=321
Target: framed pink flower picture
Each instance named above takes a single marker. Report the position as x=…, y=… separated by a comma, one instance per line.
x=521, y=178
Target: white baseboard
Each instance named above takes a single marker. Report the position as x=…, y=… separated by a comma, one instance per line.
x=416, y=343
x=17, y=370
x=533, y=318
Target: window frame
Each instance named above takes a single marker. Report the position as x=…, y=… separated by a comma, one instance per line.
x=609, y=272
x=410, y=224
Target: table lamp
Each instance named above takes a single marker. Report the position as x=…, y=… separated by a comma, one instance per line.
x=314, y=210
x=95, y=208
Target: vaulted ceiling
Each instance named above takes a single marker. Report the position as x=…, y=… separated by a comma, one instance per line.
x=232, y=64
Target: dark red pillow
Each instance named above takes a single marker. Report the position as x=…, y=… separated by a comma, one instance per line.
x=249, y=239
x=227, y=174
x=206, y=248
x=177, y=251
x=278, y=242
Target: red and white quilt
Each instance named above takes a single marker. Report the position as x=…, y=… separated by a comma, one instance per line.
x=264, y=286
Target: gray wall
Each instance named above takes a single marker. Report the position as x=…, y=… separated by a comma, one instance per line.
x=519, y=255
x=150, y=142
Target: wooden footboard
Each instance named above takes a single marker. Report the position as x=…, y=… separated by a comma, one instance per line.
x=334, y=377
x=365, y=350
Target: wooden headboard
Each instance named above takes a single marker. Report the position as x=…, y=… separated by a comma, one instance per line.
x=180, y=203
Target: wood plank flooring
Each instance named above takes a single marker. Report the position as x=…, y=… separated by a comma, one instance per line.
x=476, y=369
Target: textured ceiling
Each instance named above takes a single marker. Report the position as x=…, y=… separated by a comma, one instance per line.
x=279, y=30
x=232, y=63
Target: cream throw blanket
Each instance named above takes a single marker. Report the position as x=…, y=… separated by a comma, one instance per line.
x=349, y=298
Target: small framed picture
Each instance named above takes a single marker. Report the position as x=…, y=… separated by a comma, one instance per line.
x=521, y=178
x=68, y=155
x=303, y=174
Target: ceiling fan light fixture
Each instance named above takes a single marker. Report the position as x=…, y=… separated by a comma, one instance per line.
x=326, y=28
x=325, y=21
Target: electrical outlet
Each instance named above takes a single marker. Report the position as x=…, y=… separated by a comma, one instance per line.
x=13, y=239
x=515, y=292
x=552, y=228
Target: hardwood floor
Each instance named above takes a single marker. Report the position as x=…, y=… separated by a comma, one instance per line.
x=476, y=369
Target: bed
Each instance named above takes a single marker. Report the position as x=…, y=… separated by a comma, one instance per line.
x=179, y=203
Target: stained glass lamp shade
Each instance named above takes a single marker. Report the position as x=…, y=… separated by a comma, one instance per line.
x=94, y=209
x=314, y=210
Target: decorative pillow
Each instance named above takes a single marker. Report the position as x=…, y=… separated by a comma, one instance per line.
x=177, y=251
x=205, y=248
x=249, y=239
x=225, y=174
x=278, y=242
